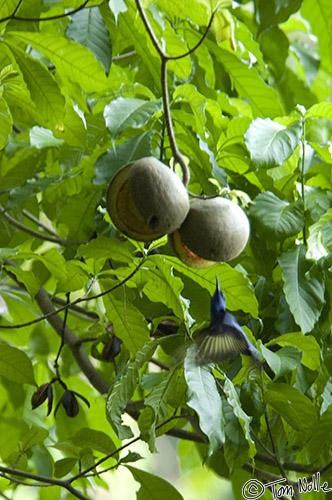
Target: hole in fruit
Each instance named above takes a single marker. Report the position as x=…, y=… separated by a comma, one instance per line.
x=153, y=221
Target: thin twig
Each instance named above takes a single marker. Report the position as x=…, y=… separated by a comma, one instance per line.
x=39, y=223
x=37, y=234
x=124, y=56
x=44, y=479
x=49, y=18
x=77, y=301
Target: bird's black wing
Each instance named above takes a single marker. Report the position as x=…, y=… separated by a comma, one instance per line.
x=223, y=341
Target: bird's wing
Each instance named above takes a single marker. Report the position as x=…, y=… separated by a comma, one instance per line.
x=214, y=348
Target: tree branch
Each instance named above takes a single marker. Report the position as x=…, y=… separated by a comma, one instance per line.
x=44, y=479
x=37, y=234
x=71, y=304
x=49, y=18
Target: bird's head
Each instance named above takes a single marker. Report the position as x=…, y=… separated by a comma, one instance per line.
x=218, y=305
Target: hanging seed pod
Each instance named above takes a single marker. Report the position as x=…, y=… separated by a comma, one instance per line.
x=146, y=199
x=215, y=230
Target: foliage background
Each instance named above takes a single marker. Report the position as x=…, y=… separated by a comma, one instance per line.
x=80, y=96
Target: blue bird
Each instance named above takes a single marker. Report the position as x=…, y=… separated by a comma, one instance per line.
x=224, y=338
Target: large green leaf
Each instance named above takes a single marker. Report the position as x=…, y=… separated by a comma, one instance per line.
x=15, y=365
x=306, y=344
x=107, y=248
x=162, y=286
x=270, y=143
x=244, y=419
x=305, y=297
x=73, y=61
x=263, y=99
x=204, y=398
x=276, y=12
x=87, y=27
x=153, y=487
x=6, y=122
x=96, y=440
x=126, y=112
x=109, y=163
x=129, y=323
x=293, y=406
x=235, y=284
x=275, y=218
x=124, y=388
x=44, y=91
x=316, y=248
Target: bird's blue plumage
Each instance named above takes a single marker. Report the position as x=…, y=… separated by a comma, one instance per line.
x=224, y=338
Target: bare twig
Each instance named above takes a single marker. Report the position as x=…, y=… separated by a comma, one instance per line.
x=71, y=304
x=49, y=18
x=8, y=471
x=37, y=234
x=39, y=223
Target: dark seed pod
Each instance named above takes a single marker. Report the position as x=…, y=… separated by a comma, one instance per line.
x=39, y=396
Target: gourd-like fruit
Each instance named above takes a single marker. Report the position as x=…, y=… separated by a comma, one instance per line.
x=215, y=230
x=146, y=199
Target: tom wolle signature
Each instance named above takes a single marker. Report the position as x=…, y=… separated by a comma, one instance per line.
x=254, y=489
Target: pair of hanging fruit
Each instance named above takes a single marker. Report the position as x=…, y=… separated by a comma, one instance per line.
x=146, y=200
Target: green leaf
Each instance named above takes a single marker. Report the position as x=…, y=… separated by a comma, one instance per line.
x=44, y=90
x=64, y=466
x=124, y=388
x=73, y=61
x=320, y=110
x=263, y=99
x=153, y=487
x=6, y=123
x=162, y=286
x=204, y=398
x=235, y=284
x=270, y=143
x=286, y=359
x=15, y=365
x=305, y=297
x=197, y=102
x=276, y=12
x=27, y=278
x=107, y=248
x=126, y=112
x=129, y=323
x=306, y=344
x=108, y=164
x=159, y=396
x=30, y=188
x=43, y=138
x=96, y=440
x=319, y=14
x=316, y=248
x=35, y=436
x=293, y=406
x=244, y=419
x=275, y=218
x=87, y=27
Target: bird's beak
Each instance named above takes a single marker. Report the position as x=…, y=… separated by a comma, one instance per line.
x=217, y=284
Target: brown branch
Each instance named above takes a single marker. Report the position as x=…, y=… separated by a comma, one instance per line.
x=37, y=234
x=71, y=304
x=49, y=18
x=39, y=223
x=43, y=479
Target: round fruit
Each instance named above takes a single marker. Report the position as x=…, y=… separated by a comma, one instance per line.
x=145, y=199
x=215, y=230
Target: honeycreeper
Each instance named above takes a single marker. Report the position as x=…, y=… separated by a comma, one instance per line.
x=224, y=338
